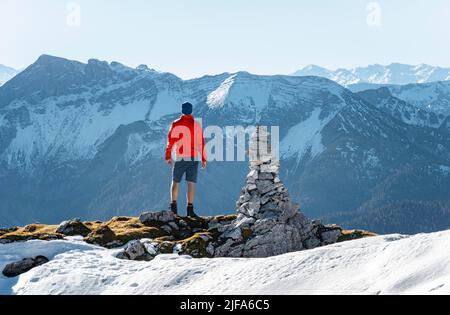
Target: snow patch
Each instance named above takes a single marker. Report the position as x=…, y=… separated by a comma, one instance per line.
x=305, y=137
x=17, y=251
x=217, y=98
x=391, y=264
x=138, y=148
x=166, y=104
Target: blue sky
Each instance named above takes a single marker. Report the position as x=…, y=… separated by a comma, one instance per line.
x=195, y=37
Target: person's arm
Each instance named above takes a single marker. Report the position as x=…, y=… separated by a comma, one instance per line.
x=170, y=144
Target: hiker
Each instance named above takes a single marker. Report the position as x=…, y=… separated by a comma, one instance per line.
x=186, y=135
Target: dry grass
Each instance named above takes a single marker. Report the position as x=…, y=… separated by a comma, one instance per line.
x=350, y=235
x=116, y=232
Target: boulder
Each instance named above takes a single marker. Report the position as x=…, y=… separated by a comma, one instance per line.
x=73, y=228
x=17, y=268
x=197, y=246
x=139, y=251
x=135, y=250
x=102, y=236
x=330, y=234
x=158, y=217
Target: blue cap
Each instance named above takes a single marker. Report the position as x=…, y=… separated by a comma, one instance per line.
x=187, y=108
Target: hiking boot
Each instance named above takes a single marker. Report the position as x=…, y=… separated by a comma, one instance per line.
x=174, y=207
x=190, y=212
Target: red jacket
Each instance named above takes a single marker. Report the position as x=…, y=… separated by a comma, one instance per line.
x=186, y=135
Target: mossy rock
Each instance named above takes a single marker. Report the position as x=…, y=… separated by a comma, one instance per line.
x=247, y=233
x=226, y=218
x=124, y=237
x=351, y=235
x=196, y=246
x=73, y=228
x=32, y=228
x=166, y=247
x=196, y=223
x=22, y=237
x=121, y=219
x=30, y=232
x=102, y=236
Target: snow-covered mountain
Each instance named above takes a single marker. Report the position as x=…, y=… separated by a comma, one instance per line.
x=87, y=140
x=394, y=73
x=6, y=73
x=401, y=110
x=384, y=265
x=430, y=96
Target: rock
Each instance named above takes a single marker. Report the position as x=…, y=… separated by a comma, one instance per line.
x=135, y=250
x=210, y=249
x=160, y=217
x=197, y=246
x=245, y=222
x=17, y=268
x=331, y=237
x=312, y=242
x=266, y=176
x=167, y=229
x=233, y=233
x=174, y=226
x=271, y=206
x=244, y=198
x=151, y=248
x=252, y=177
x=73, y=228
x=122, y=255
x=102, y=236
x=253, y=207
x=224, y=249
x=139, y=251
x=264, y=186
x=330, y=234
x=270, y=169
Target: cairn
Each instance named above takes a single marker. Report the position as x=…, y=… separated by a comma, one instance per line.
x=268, y=222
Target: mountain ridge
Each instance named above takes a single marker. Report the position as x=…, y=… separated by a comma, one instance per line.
x=6, y=73
x=91, y=144
x=394, y=73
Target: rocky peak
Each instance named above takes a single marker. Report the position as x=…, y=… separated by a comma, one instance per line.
x=48, y=76
x=96, y=69
x=145, y=68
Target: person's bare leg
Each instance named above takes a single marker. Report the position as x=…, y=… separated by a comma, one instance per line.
x=174, y=192
x=191, y=193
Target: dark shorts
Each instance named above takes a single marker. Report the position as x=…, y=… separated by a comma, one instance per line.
x=190, y=168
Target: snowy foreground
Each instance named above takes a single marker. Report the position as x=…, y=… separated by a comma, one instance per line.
x=382, y=265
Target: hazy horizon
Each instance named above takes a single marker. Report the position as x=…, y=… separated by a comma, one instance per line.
x=206, y=74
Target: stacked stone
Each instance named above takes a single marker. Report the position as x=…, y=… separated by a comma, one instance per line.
x=268, y=222
x=264, y=192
